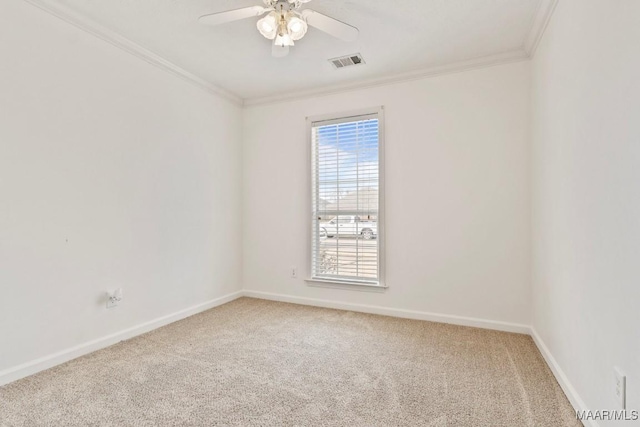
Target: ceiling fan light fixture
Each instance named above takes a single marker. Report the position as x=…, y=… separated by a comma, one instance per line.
x=268, y=26
x=283, y=37
x=283, y=22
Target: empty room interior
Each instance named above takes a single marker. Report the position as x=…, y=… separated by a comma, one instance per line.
x=320, y=213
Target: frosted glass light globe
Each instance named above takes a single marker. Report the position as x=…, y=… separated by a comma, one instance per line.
x=268, y=25
x=297, y=26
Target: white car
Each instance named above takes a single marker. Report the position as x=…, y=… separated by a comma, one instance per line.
x=349, y=225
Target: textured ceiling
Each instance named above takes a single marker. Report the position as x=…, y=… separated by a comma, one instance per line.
x=395, y=37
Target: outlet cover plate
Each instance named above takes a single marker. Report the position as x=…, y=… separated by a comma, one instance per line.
x=620, y=389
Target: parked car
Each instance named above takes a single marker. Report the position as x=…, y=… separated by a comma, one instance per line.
x=349, y=225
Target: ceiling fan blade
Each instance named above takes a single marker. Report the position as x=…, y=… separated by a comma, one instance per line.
x=233, y=15
x=279, y=51
x=330, y=25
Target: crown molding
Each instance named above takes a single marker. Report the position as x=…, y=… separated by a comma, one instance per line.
x=54, y=8
x=483, y=62
x=539, y=25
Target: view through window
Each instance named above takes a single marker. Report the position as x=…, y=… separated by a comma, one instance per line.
x=346, y=195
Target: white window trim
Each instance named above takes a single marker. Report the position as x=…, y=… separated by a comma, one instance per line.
x=337, y=283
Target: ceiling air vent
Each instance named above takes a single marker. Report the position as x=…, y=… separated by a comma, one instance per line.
x=347, y=61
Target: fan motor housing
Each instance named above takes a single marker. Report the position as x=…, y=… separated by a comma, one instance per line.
x=283, y=4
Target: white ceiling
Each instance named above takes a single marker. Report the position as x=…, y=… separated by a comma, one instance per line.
x=395, y=37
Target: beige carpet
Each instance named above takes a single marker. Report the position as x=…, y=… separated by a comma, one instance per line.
x=261, y=363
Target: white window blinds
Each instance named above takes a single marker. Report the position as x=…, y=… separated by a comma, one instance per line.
x=346, y=198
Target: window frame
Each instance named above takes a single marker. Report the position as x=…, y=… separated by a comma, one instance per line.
x=381, y=284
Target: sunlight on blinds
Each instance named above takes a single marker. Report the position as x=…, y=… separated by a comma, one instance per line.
x=345, y=169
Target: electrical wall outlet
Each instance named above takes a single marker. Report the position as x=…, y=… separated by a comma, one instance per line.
x=620, y=387
x=294, y=272
x=114, y=298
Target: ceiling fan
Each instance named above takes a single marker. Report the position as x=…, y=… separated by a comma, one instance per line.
x=284, y=23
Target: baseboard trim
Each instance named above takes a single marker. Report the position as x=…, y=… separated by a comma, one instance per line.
x=394, y=312
x=43, y=363
x=571, y=393
x=46, y=362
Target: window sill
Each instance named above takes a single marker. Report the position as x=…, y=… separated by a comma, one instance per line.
x=345, y=284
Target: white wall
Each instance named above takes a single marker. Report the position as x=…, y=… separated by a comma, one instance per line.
x=457, y=194
x=113, y=173
x=586, y=197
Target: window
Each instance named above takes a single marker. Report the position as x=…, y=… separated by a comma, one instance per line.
x=346, y=217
